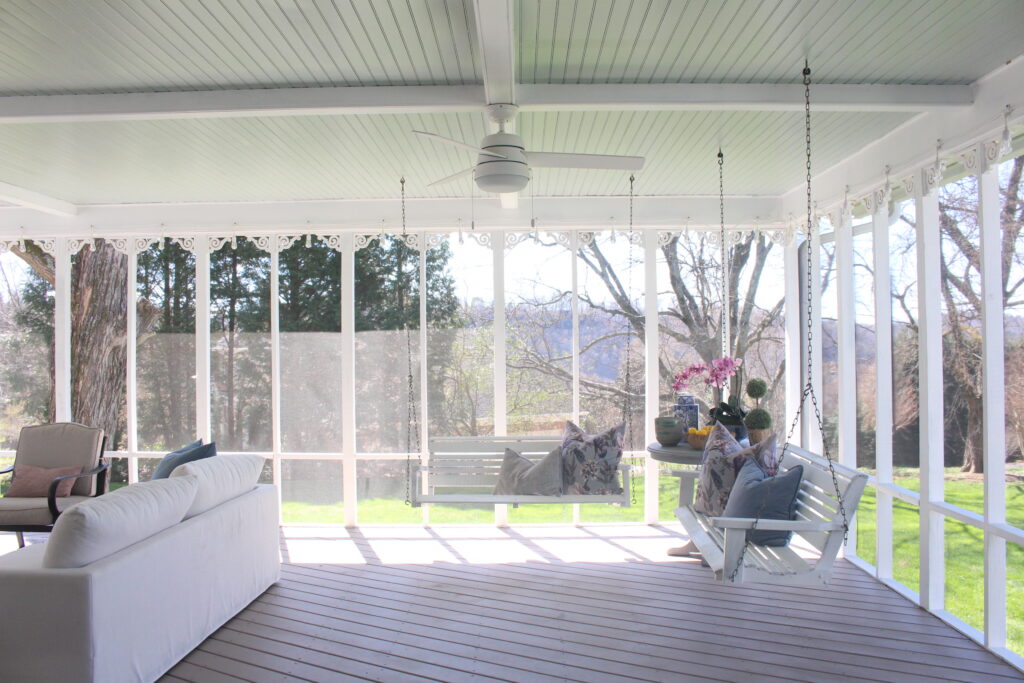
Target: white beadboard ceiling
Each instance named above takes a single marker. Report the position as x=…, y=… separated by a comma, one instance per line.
x=56, y=47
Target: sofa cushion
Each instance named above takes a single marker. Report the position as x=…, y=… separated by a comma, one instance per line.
x=590, y=462
x=531, y=477
x=32, y=510
x=194, y=451
x=34, y=482
x=758, y=496
x=220, y=479
x=101, y=526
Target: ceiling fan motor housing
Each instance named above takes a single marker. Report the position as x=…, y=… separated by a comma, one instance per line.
x=510, y=174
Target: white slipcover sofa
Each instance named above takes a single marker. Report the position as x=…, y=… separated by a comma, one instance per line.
x=134, y=613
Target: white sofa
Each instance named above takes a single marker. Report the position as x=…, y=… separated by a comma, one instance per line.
x=135, y=613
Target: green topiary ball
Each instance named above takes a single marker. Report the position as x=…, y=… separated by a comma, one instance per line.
x=757, y=388
x=758, y=418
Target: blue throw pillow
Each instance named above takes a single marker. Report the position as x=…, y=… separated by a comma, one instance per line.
x=778, y=495
x=190, y=453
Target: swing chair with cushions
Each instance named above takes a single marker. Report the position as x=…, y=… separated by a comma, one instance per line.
x=742, y=549
x=486, y=469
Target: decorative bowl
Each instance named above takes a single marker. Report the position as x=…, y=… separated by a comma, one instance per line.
x=697, y=441
x=668, y=430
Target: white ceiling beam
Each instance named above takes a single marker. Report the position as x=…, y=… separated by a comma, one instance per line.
x=403, y=99
x=459, y=98
x=742, y=96
x=30, y=199
x=494, y=33
x=366, y=215
x=911, y=147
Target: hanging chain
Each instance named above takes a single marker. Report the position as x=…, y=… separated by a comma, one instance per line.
x=723, y=254
x=412, y=427
x=627, y=407
x=808, y=390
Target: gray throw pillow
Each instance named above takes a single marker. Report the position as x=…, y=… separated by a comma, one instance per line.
x=590, y=463
x=761, y=497
x=190, y=453
x=521, y=475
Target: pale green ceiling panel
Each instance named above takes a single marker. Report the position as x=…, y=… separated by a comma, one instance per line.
x=751, y=41
x=64, y=46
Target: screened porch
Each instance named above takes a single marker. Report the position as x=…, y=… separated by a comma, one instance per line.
x=212, y=242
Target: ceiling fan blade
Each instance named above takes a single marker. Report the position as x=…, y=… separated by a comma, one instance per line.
x=560, y=160
x=472, y=148
x=453, y=176
x=509, y=200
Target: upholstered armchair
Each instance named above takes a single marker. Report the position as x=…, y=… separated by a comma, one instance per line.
x=52, y=446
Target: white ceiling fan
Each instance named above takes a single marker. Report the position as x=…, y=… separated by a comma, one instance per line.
x=503, y=163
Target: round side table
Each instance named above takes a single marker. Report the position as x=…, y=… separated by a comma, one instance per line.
x=683, y=454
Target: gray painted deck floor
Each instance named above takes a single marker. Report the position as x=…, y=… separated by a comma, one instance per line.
x=595, y=603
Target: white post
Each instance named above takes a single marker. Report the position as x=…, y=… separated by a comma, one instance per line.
x=574, y=247
x=203, y=428
x=275, y=363
x=883, y=388
x=812, y=435
x=993, y=391
x=794, y=316
x=424, y=416
x=62, y=331
x=929, y=239
x=652, y=386
x=500, y=387
x=348, y=379
x=846, y=326
x=131, y=380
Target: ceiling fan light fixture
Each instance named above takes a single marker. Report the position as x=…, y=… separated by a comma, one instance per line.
x=502, y=177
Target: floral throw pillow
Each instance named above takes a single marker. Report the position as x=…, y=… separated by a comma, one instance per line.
x=724, y=457
x=590, y=463
x=717, y=472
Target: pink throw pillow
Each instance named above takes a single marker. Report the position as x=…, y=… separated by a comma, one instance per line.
x=34, y=482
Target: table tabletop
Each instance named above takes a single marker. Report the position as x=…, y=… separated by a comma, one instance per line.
x=683, y=454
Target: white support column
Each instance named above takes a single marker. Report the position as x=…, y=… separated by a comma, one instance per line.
x=993, y=391
x=812, y=435
x=929, y=238
x=574, y=247
x=883, y=388
x=275, y=363
x=131, y=379
x=348, y=379
x=652, y=388
x=62, y=331
x=500, y=387
x=846, y=328
x=793, y=316
x=203, y=427
x=424, y=416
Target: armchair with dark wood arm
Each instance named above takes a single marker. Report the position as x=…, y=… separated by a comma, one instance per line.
x=62, y=444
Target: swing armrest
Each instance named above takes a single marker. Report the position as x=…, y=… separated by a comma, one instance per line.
x=686, y=474
x=773, y=524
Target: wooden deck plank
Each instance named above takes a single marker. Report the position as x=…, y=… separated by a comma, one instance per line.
x=390, y=613
x=625, y=629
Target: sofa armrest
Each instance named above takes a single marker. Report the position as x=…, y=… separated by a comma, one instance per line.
x=51, y=498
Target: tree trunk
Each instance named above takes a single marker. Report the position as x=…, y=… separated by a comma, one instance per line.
x=974, y=445
x=99, y=323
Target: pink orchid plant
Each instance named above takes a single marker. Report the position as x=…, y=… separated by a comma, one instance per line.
x=716, y=373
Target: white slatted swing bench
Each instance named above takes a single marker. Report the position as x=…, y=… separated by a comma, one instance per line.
x=465, y=470
x=720, y=540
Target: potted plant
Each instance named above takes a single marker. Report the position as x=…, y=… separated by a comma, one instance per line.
x=758, y=420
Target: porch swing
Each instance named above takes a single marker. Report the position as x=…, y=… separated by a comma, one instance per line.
x=465, y=469
x=827, y=489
